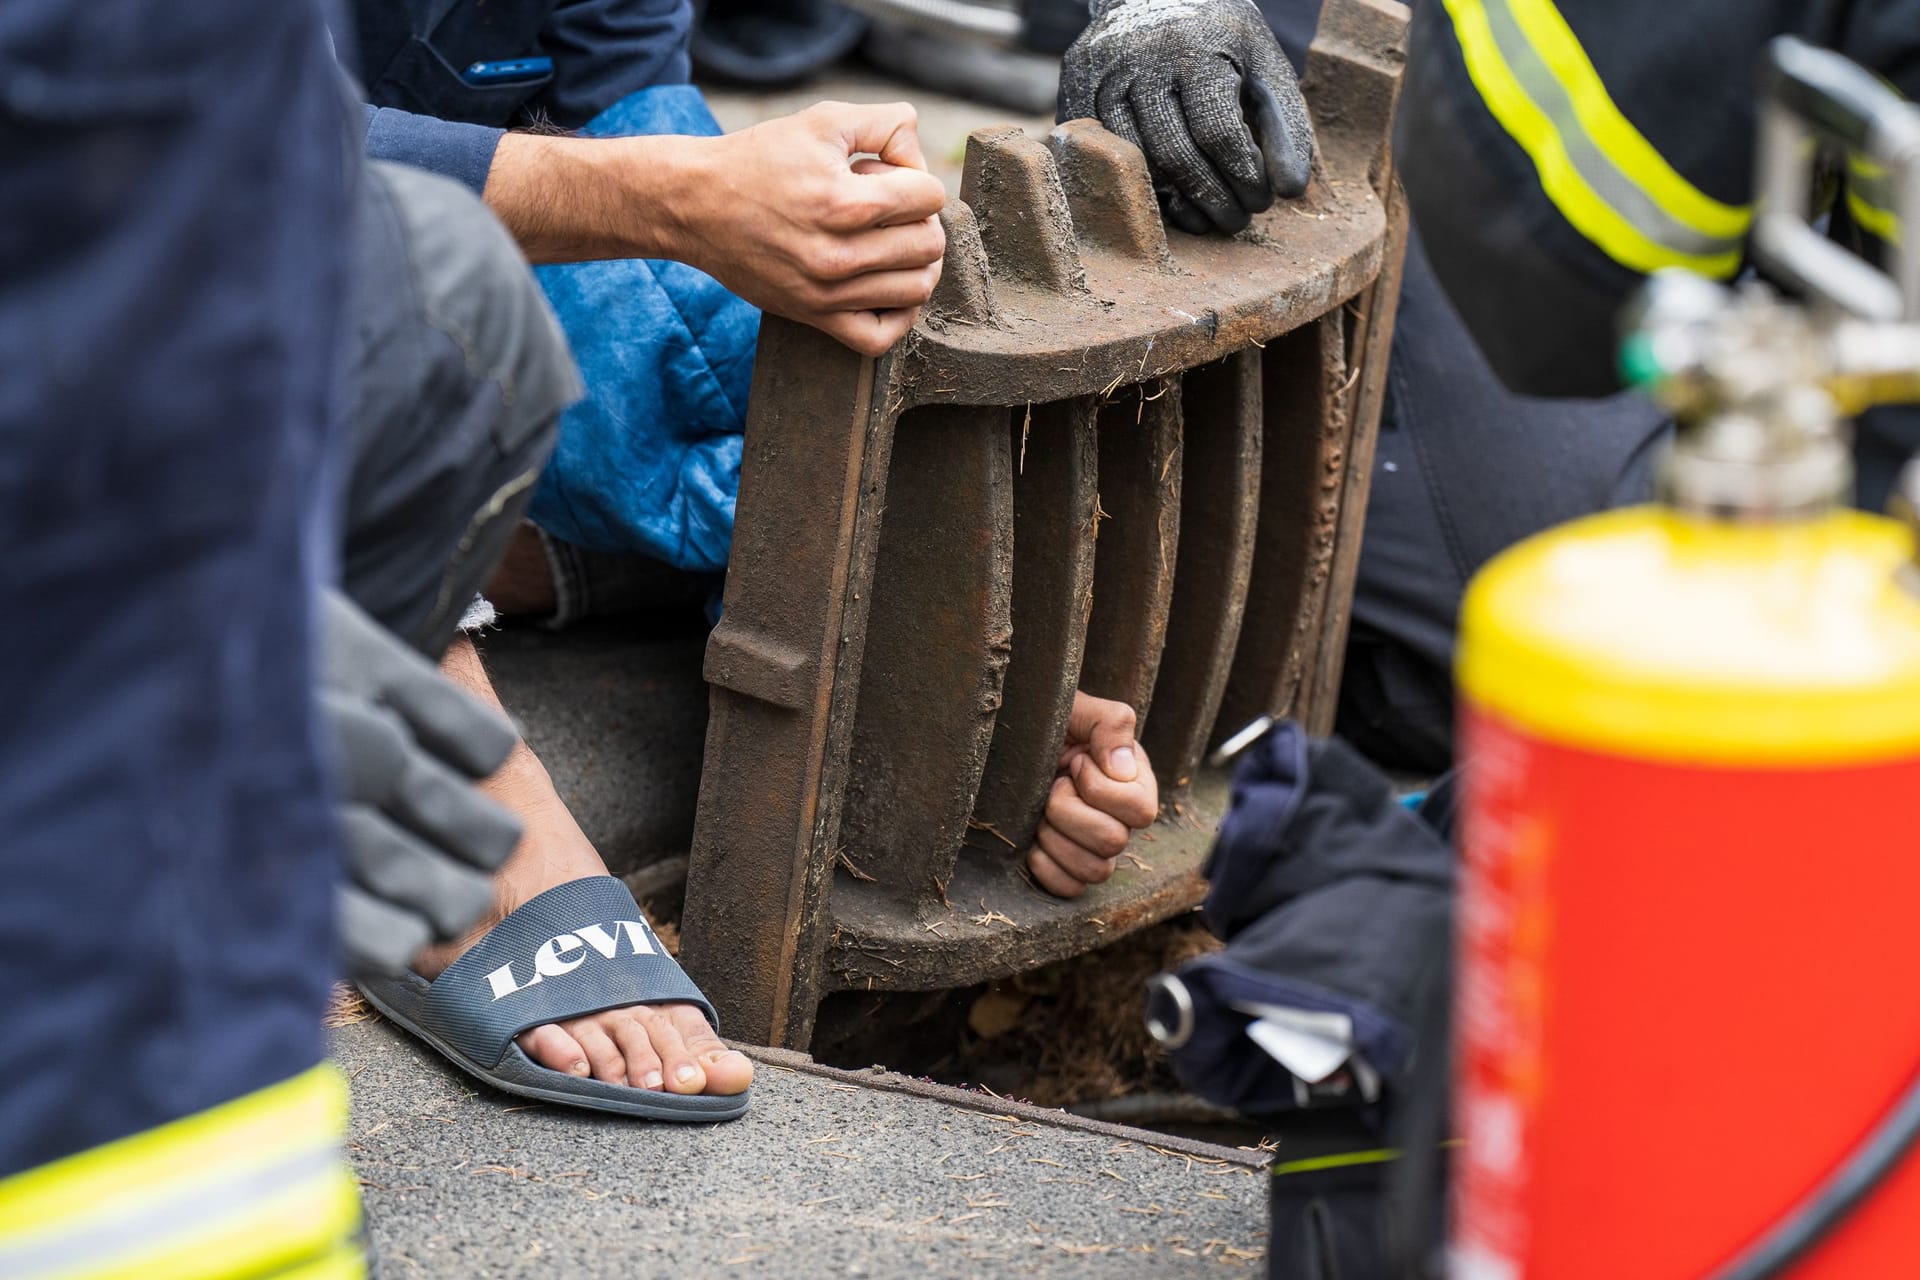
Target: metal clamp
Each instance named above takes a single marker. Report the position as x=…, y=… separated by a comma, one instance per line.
x=1815, y=96
x=1169, y=1010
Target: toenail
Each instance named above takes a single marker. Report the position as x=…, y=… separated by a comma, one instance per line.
x=654, y=1080
x=580, y=1068
x=685, y=1072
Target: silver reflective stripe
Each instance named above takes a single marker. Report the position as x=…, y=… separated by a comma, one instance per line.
x=112, y=1237
x=1608, y=181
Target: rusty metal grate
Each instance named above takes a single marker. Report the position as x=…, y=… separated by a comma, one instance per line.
x=1106, y=458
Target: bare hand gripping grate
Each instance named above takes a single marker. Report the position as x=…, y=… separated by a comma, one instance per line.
x=1106, y=458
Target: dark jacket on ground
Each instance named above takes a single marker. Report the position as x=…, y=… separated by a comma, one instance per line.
x=1331, y=897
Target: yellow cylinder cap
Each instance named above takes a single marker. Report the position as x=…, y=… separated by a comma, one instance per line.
x=1650, y=632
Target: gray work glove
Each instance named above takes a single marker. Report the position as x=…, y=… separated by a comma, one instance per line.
x=420, y=840
x=1203, y=89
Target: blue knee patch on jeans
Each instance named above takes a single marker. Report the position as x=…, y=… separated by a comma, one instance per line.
x=649, y=462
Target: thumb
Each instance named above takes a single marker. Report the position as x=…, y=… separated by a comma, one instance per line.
x=1107, y=729
x=890, y=130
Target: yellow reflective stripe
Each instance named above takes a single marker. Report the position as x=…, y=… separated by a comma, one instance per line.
x=344, y=1263
x=1870, y=198
x=1619, y=237
x=1625, y=145
x=1883, y=223
x=250, y=1188
x=262, y=1128
x=1866, y=168
x=314, y=1220
x=1345, y=1160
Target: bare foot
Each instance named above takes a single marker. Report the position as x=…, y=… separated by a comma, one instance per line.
x=659, y=1046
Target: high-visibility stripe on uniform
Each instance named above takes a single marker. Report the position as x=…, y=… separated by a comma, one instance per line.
x=253, y=1188
x=1870, y=198
x=1605, y=178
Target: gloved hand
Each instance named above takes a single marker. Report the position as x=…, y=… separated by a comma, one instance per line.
x=420, y=840
x=1203, y=89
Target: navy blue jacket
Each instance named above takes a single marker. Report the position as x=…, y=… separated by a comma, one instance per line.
x=1330, y=896
x=421, y=111
x=174, y=188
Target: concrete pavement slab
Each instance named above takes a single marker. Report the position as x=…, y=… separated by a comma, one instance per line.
x=824, y=1177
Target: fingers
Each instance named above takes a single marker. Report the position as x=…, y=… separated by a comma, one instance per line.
x=889, y=130
x=1079, y=98
x=363, y=658
x=394, y=866
x=870, y=294
x=1211, y=105
x=1177, y=162
x=1183, y=214
x=880, y=291
x=1135, y=803
x=915, y=246
x=382, y=769
x=918, y=246
x=377, y=936
x=1106, y=729
x=1099, y=833
x=829, y=218
x=1091, y=814
x=450, y=814
x=1088, y=866
x=1051, y=876
x=370, y=744
x=885, y=195
x=451, y=723
x=1115, y=110
x=871, y=333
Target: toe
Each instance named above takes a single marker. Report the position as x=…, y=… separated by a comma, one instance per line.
x=643, y=1063
x=602, y=1053
x=727, y=1070
x=555, y=1050
x=682, y=1072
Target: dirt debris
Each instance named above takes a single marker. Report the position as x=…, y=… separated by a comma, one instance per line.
x=1067, y=1033
x=1080, y=1030
x=345, y=1007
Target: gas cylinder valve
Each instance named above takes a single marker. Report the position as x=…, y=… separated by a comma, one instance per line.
x=1762, y=379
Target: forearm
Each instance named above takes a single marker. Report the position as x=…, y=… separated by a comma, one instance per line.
x=569, y=199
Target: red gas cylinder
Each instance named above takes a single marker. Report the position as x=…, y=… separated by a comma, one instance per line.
x=1691, y=893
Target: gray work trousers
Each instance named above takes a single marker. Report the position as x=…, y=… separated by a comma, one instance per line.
x=459, y=374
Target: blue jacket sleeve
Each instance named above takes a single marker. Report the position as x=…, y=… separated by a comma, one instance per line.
x=463, y=152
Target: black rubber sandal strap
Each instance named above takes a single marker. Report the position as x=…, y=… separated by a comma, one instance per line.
x=576, y=949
